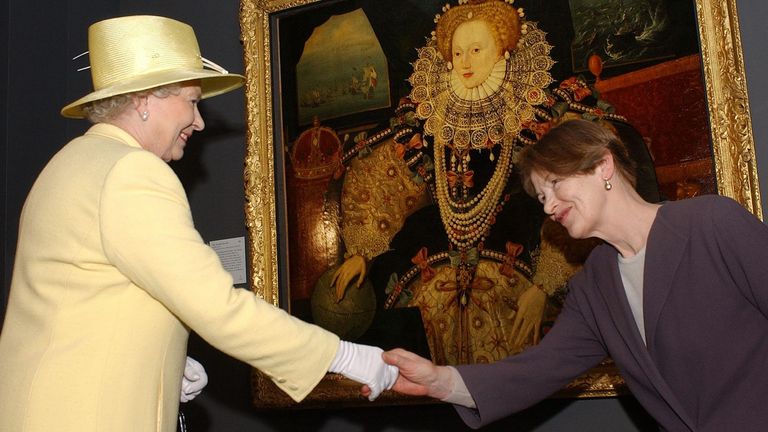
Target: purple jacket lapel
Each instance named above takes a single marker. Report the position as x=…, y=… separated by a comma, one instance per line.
x=664, y=253
x=619, y=310
x=655, y=291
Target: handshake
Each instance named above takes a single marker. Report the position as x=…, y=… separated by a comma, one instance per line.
x=361, y=363
x=405, y=372
x=364, y=364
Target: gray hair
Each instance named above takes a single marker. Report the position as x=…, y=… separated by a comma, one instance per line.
x=103, y=110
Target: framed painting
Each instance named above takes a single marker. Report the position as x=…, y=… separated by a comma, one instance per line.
x=306, y=153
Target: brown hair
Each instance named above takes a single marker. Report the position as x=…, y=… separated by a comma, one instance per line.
x=501, y=17
x=575, y=147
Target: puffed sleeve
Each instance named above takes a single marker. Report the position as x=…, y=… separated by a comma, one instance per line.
x=148, y=234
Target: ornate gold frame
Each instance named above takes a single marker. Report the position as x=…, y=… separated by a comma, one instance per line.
x=730, y=121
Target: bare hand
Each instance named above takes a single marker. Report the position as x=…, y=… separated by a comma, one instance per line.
x=353, y=267
x=419, y=376
x=530, y=313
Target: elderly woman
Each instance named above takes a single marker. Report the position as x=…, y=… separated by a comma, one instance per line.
x=110, y=273
x=676, y=296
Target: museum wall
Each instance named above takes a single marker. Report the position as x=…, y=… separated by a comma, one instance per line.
x=754, y=34
x=39, y=78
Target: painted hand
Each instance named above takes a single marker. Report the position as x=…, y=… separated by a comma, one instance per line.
x=530, y=312
x=353, y=267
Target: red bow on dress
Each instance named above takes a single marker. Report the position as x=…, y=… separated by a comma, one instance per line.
x=579, y=90
x=414, y=143
x=420, y=259
x=466, y=178
x=539, y=129
x=508, y=266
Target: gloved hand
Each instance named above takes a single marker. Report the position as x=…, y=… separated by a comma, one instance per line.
x=193, y=381
x=364, y=364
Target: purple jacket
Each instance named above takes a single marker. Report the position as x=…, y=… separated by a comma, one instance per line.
x=705, y=307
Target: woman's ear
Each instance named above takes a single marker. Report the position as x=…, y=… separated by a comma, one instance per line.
x=607, y=166
x=139, y=102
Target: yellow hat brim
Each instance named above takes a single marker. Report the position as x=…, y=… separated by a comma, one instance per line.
x=211, y=83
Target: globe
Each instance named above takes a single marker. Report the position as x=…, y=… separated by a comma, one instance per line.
x=348, y=318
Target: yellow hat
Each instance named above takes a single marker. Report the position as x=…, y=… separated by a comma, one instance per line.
x=135, y=53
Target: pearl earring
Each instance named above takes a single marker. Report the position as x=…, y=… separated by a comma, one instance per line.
x=144, y=115
x=608, y=185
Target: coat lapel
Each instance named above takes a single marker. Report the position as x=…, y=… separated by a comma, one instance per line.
x=665, y=249
x=661, y=263
x=621, y=313
x=664, y=252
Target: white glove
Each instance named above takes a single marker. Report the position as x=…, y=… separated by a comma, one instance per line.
x=363, y=363
x=193, y=381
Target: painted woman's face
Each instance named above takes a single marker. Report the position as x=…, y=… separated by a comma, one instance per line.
x=474, y=52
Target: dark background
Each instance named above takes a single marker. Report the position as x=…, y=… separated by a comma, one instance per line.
x=39, y=39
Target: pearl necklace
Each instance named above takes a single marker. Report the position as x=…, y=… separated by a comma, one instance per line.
x=467, y=222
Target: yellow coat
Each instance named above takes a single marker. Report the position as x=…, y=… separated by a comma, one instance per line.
x=109, y=278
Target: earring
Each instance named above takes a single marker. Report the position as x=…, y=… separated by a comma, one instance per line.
x=450, y=65
x=144, y=115
x=608, y=185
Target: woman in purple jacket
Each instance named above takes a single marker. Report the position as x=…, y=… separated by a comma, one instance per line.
x=677, y=296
